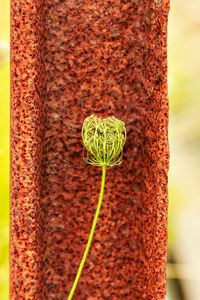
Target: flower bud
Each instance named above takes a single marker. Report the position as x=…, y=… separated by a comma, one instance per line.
x=104, y=140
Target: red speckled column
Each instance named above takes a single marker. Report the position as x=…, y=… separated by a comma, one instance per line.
x=70, y=59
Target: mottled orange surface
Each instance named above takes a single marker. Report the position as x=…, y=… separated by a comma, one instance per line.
x=70, y=59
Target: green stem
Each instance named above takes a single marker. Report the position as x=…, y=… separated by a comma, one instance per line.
x=91, y=234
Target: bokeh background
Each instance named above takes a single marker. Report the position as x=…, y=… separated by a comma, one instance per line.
x=4, y=146
x=184, y=137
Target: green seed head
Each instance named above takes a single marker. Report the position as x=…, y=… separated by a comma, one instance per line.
x=104, y=140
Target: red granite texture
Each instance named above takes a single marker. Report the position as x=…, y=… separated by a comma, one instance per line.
x=70, y=59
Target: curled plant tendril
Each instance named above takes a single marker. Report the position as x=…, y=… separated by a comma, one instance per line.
x=104, y=140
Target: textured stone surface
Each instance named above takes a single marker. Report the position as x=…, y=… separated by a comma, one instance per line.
x=70, y=59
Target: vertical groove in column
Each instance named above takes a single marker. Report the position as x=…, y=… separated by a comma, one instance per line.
x=70, y=59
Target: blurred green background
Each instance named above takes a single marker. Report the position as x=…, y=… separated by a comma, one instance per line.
x=184, y=136
x=4, y=146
